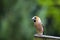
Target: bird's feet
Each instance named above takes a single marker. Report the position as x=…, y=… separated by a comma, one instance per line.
x=39, y=34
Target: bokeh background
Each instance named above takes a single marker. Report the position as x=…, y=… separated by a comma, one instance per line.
x=16, y=22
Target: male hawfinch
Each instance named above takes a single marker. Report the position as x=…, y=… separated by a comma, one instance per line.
x=38, y=25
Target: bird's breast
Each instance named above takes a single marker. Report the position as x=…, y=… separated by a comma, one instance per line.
x=38, y=26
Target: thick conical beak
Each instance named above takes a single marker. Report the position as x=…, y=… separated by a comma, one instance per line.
x=33, y=18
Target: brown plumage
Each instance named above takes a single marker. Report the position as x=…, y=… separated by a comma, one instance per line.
x=38, y=25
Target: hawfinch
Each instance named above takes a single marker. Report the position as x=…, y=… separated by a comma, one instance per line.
x=38, y=25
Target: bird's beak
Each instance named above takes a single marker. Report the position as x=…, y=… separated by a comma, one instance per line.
x=33, y=18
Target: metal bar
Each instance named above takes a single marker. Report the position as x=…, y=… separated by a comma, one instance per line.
x=46, y=37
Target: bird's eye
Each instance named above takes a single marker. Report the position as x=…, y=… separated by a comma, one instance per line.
x=35, y=17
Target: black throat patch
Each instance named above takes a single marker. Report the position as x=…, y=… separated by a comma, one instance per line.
x=34, y=20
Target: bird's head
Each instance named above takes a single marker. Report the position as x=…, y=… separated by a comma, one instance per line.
x=36, y=19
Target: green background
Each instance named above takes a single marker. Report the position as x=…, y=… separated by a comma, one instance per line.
x=16, y=18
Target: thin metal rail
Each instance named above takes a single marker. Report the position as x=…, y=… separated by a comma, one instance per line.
x=46, y=37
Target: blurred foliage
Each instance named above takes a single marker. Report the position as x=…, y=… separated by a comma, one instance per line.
x=16, y=22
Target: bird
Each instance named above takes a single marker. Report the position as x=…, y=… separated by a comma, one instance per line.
x=38, y=25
